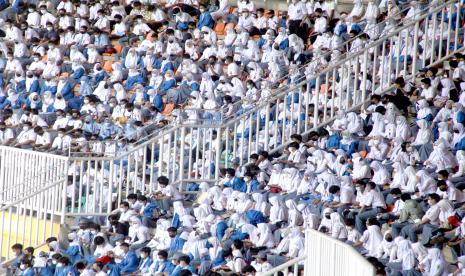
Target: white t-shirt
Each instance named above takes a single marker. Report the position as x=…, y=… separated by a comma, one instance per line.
x=433, y=214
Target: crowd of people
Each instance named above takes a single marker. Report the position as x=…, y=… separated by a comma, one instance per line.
x=388, y=181
x=96, y=76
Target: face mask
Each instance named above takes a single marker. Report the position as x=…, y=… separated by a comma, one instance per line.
x=25, y=128
x=60, y=265
x=389, y=239
x=86, y=101
x=143, y=255
x=54, y=262
x=22, y=267
x=122, y=210
x=246, y=179
x=328, y=216
x=174, y=262
x=50, y=29
x=118, y=243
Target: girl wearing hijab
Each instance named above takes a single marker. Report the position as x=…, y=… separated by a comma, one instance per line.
x=116, y=73
x=296, y=244
x=131, y=60
x=405, y=261
x=435, y=264
x=134, y=77
x=261, y=204
x=168, y=82
x=33, y=101
x=380, y=176
x=378, y=125
x=294, y=216
x=102, y=92
x=460, y=155
x=338, y=228
x=458, y=141
x=278, y=211
x=402, y=129
x=32, y=83
x=423, y=140
x=98, y=74
x=386, y=247
x=47, y=102
x=441, y=158
x=60, y=103
x=354, y=124
x=265, y=236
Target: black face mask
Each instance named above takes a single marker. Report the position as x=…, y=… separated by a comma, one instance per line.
x=389, y=239
x=443, y=189
x=328, y=216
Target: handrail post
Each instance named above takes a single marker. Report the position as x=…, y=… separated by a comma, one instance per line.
x=364, y=79
x=64, y=195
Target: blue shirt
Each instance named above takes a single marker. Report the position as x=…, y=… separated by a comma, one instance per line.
x=130, y=263
x=164, y=266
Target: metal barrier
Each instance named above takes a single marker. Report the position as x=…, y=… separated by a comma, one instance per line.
x=198, y=151
x=24, y=171
x=330, y=257
x=32, y=219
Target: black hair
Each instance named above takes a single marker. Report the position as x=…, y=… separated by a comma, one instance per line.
x=163, y=180
x=334, y=189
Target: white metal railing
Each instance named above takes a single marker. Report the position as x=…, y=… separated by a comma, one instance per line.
x=23, y=171
x=33, y=218
x=153, y=130
x=326, y=256
x=291, y=266
x=198, y=151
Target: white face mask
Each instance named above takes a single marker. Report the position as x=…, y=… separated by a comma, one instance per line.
x=59, y=265
x=22, y=267
x=246, y=179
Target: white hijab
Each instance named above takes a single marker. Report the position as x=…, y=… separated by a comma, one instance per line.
x=371, y=238
x=265, y=236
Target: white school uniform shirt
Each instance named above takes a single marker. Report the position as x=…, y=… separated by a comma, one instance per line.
x=119, y=29
x=67, y=6
x=20, y=50
x=14, y=66
x=321, y=24
x=61, y=143
x=82, y=39
x=141, y=29
x=47, y=17
x=433, y=214
x=65, y=22
x=6, y=135
x=33, y=20
x=13, y=33
x=26, y=135
x=170, y=191
x=295, y=156
x=44, y=139
x=297, y=11
x=102, y=23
